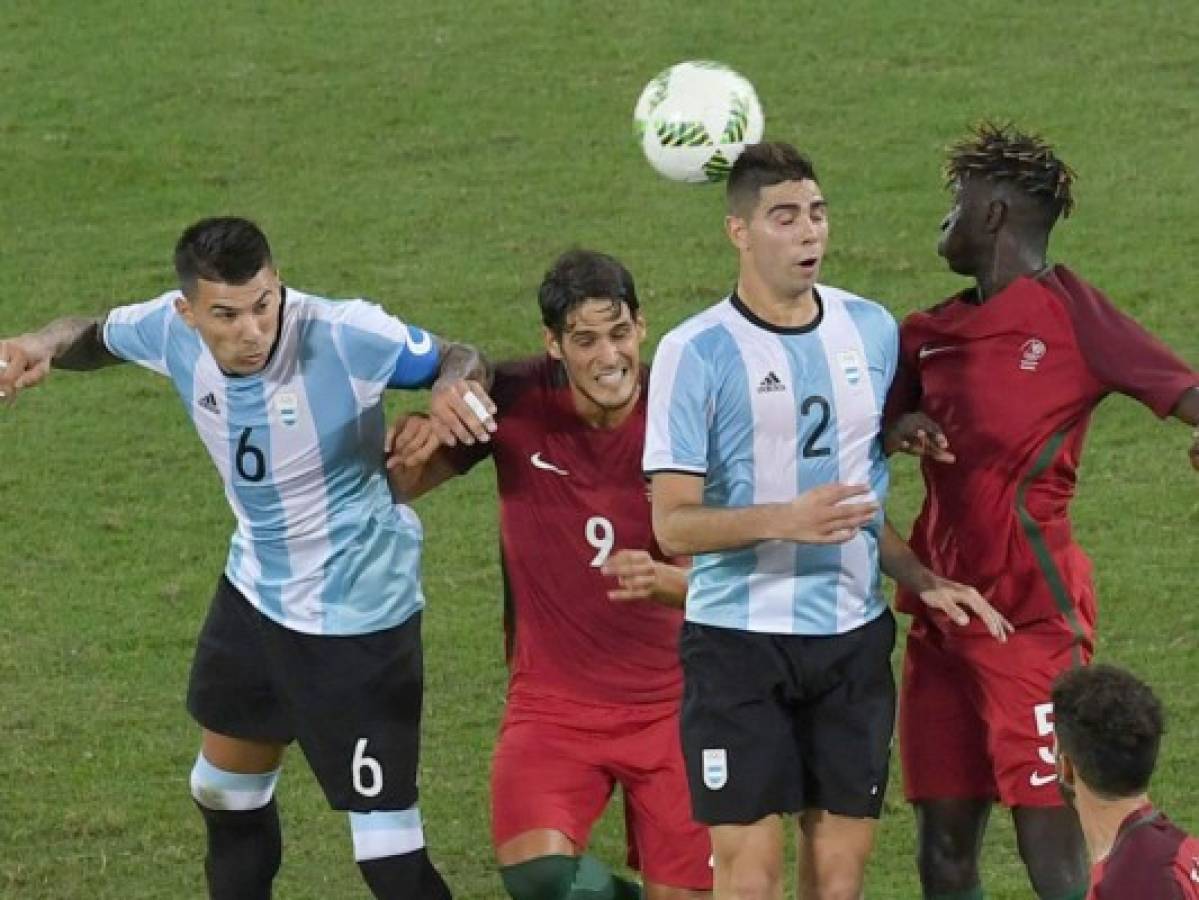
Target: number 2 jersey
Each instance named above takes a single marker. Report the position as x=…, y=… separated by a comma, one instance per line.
x=1012, y=382
x=570, y=496
x=320, y=546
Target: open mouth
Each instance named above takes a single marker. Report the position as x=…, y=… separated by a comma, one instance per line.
x=809, y=264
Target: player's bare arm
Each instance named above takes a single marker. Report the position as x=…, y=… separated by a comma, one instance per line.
x=1187, y=409
x=957, y=601
x=641, y=577
x=414, y=464
x=684, y=526
x=460, y=408
x=70, y=343
x=916, y=433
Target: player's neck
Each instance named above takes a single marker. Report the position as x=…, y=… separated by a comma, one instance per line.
x=1009, y=264
x=1101, y=820
x=776, y=309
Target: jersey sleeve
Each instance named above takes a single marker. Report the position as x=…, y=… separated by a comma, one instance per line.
x=1122, y=355
x=380, y=349
x=139, y=332
x=677, y=416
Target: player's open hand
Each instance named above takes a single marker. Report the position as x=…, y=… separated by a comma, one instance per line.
x=917, y=434
x=824, y=515
x=23, y=363
x=635, y=572
x=410, y=443
x=958, y=601
x=460, y=410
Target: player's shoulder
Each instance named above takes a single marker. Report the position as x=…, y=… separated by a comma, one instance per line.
x=524, y=377
x=693, y=331
x=862, y=309
x=336, y=311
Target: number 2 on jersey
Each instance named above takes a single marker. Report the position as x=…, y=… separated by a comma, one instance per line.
x=602, y=536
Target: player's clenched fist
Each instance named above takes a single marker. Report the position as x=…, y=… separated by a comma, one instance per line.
x=460, y=410
x=23, y=363
x=823, y=515
x=636, y=575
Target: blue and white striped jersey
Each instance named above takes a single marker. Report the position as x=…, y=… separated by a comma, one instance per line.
x=764, y=414
x=320, y=546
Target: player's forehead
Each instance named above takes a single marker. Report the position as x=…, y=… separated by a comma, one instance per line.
x=790, y=195
x=597, y=314
x=219, y=293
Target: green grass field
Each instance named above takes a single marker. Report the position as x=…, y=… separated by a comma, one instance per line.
x=436, y=157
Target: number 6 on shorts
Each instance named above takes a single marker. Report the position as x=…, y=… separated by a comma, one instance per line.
x=373, y=785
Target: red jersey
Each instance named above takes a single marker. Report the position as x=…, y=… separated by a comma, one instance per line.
x=1152, y=858
x=1012, y=382
x=570, y=495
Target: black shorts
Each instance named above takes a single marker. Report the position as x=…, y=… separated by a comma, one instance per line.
x=353, y=703
x=778, y=723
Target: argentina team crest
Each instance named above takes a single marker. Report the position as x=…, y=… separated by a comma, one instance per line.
x=287, y=405
x=851, y=366
x=716, y=769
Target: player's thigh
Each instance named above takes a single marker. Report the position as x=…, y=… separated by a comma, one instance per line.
x=357, y=704
x=749, y=859
x=942, y=732
x=666, y=844
x=230, y=754
x=833, y=851
x=849, y=701
x=1016, y=680
x=739, y=746
x=547, y=775
x=232, y=688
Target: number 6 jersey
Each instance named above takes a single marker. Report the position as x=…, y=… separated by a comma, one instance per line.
x=320, y=547
x=764, y=414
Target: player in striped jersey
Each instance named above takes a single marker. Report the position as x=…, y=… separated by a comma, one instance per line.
x=764, y=449
x=285, y=389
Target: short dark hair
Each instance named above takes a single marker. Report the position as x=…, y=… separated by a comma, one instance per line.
x=762, y=165
x=580, y=275
x=1110, y=724
x=1003, y=153
x=223, y=249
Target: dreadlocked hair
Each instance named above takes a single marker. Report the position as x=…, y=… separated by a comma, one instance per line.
x=1001, y=152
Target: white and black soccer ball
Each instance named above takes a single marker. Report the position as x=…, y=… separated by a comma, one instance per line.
x=694, y=119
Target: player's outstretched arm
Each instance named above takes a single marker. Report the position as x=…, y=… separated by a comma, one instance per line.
x=684, y=526
x=919, y=435
x=641, y=577
x=414, y=457
x=70, y=343
x=460, y=408
x=957, y=601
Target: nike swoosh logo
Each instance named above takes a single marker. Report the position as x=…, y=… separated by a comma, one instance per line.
x=933, y=351
x=540, y=463
x=1036, y=779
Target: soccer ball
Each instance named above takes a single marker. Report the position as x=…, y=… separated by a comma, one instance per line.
x=694, y=119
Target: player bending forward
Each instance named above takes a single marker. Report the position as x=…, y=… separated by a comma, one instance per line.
x=996, y=387
x=314, y=632
x=591, y=604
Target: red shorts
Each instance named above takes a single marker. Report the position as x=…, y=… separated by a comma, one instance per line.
x=556, y=764
x=975, y=718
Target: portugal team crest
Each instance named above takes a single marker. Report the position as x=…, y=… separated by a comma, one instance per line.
x=716, y=769
x=288, y=407
x=851, y=366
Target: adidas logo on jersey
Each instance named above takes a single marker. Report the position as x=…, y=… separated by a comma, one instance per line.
x=770, y=384
x=208, y=402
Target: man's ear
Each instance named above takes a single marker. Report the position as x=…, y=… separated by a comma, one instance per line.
x=552, y=345
x=737, y=229
x=997, y=213
x=184, y=308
